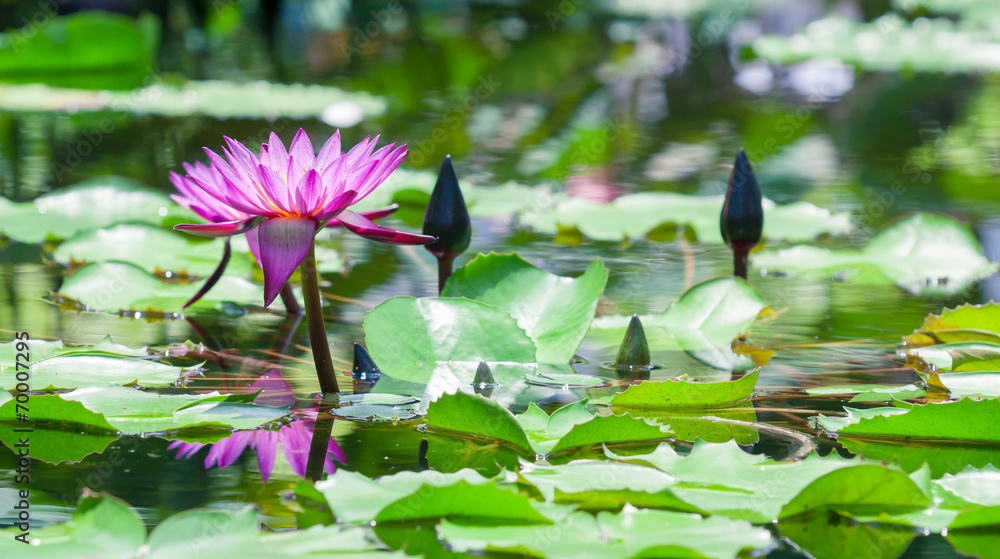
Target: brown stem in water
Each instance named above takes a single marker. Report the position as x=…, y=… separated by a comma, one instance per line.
x=740, y=262
x=317, y=326
x=444, y=271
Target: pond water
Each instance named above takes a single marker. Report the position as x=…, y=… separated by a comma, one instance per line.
x=599, y=104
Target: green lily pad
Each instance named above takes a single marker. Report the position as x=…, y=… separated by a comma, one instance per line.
x=554, y=311
x=980, y=486
x=102, y=526
x=55, y=445
x=925, y=254
x=150, y=248
x=633, y=216
x=985, y=384
x=91, y=204
x=216, y=98
x=630, y=533
x=118, y=409
x=870, y=392
x=864, y=490
x=963, y=420
x=959, y=356
x=965, y=323
x=43, y=349
x=357, y=499
x=75, y=371
x=725, y=480
x=205, y=532
x=685, y=394
x=118, y=286
x=709, y=315
x=602, y=485
x=566, y=381
x=735, y=423
x=535, y=431
x=888, y=44
x=444, y=339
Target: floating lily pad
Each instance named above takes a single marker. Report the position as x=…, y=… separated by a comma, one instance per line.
x=554, y=311
x=963, y=433
x=43, y=349
x=118, y=409
x=604, y=485
x=631, y=533
x=75, y=371
x=963, y=420
x=685, y=394
x=965, y=323
x=216, y=98
x=102, y=526
x=633, y=216
x=865, y=490
x=725, y=480
x=91, y=204
x=925, y=254
x=888, y=43
x=959, y=356
x=569, y=426
x=117, y=286
x=150, y=248
x=354, y=498
x=419, y=340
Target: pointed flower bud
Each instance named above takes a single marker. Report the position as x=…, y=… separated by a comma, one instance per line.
x=484, y=376
x=484, y=383
x=447, y=217
x=634, y=351
x=364, y=367
x=742, y=214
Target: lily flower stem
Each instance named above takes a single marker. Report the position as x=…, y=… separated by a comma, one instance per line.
x=740, y=262
x=445, y=264
x=288, y=299
x=317, y=326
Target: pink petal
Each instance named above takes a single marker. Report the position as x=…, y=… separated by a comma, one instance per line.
x=242, y=158
x=276, y=153
x=329, y=153
x=386, y=166
x=254, y=243
x=284, y=243
x=337, y=205
x=370, y=214
x=302, y=150
x=308, y=191
x=364, y=227
x=274, y=187
x=223, y=229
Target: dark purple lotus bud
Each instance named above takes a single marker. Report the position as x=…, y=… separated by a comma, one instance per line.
x=364, y=366
x=742, y=214
x=447, y=217
x=634, y=351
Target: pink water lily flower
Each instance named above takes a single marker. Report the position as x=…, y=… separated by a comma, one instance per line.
x=285, y=196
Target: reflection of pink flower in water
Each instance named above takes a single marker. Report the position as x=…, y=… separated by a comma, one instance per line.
x=294, y=438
